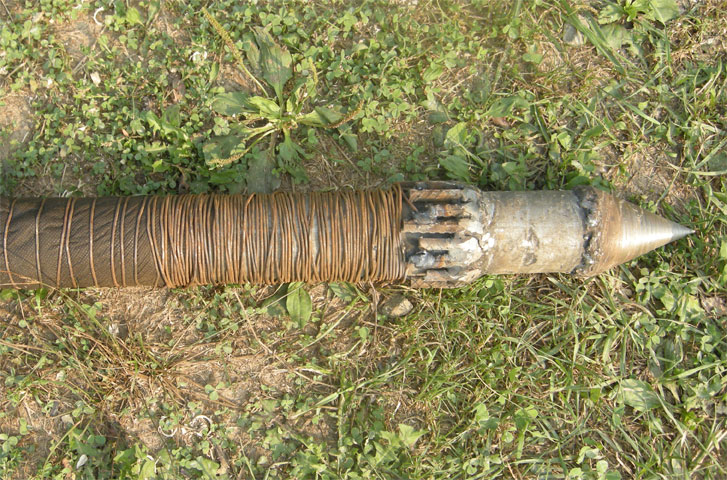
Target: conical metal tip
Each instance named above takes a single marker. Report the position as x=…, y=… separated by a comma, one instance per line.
x=621, y=231
x=680, y=231
x=643, y=231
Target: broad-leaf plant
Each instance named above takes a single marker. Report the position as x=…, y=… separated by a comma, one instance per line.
x=272, y=115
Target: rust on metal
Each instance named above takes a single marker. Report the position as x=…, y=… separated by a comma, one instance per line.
x=454, y=233
x=177, y=241
x=431, y=234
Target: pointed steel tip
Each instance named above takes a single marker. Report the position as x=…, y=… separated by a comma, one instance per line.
x=643, y=231
x=620, y=231
x=680, y=231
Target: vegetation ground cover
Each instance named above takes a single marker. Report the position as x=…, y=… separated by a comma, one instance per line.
x=542, y=376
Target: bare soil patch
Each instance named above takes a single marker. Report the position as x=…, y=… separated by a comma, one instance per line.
x=79, y=36
x=16, y=123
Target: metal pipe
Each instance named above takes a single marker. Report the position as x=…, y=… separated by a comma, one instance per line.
x=429, y=234
x=583, y=231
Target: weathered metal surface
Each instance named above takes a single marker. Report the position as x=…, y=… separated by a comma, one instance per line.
x=442, y=231
x=454, y=233
x=618, y=231
x=179, y=241
x=432, y=234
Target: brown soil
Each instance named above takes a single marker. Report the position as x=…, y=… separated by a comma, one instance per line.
x=16, y=123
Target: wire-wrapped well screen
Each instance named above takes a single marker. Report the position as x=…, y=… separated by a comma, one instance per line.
x=351, y=236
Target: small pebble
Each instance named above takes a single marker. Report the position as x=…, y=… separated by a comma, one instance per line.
x=397, y=306
x=572, y=36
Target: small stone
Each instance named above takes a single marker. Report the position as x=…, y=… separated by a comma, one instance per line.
x=118, y=330
x=572, y=36
x=716, y=307
x=397, y=306
x=67, y=419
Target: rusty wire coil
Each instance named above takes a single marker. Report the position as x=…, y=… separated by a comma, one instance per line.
x=176, y=241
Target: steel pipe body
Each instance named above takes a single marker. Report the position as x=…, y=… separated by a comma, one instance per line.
x=532, y=232
x=455, y=233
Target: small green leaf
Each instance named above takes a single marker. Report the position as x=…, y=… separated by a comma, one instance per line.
x=231, y=103
x=133, y=16
x=172, y=116
x=299, y=304
x=344, y=291
x=524, y=416
x=23, y=427
x=351, y=140
x=610, y=13
x=153, y=121
x=483, y=418
x=154, y=7
x=438, y=136
x=260, y=175
x=227, y=175
x=663, y=10
x=408, y=435
x=588, y=452
x=252, y=53
x=289, y=152
x=274, y=304
x=7, y=293
x=148, y=470
x=505, y=106
x=667, y=298
x=616, y=36
x=166, y=124
x=224, y=147
x=456, y=136
x=313, y=119
x=207, y=466
x=275, y=62
x=363, y=333
x=438, y=117
x=533, y=57
x=266, y=107
x=214, y=72
x=457, y=167
x=638, y=395
x=481, y=413
x=159, y=166
x=433, y=72
x=322, y=116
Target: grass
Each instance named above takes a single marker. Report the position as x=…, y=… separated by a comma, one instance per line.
x=545, y=376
